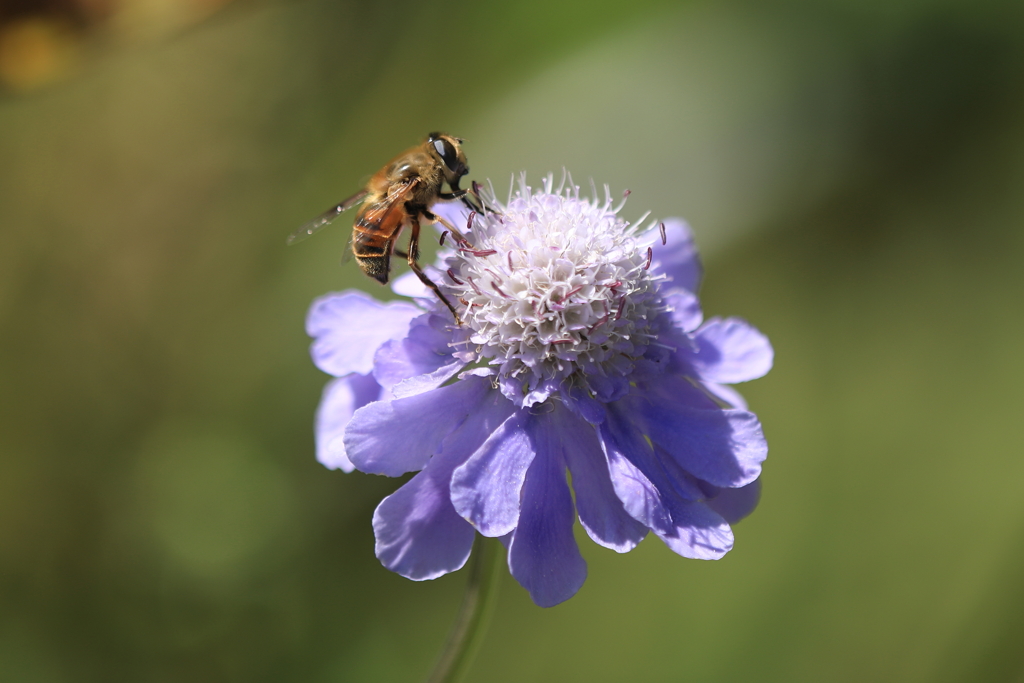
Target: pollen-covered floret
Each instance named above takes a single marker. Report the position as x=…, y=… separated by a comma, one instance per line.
x=556, y=288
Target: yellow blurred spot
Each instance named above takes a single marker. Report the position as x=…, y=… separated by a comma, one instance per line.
x=34, y=51
x=137, y=20
x=204, y=8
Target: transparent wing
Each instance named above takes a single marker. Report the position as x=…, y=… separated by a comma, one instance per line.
x=346, y=255
x=324, y=219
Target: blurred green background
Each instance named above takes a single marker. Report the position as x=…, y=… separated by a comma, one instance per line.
x=855, y=175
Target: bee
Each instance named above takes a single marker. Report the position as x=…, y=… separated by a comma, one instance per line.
x=397, y=196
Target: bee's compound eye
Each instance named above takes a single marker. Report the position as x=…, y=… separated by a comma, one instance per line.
x=447, y=152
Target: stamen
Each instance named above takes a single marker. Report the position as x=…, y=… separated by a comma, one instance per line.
x=650, y=255
x=664, y=237
x=478, y=252
x=443, y=235
x=455, y=279
x=608, y=200
x=469, y=223
x=498, y=290
x=603, y=319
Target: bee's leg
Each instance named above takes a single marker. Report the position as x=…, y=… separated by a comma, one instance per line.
x=469, y=197
x=472, y=202
x=454, y=194
x=456, y=233
x=477, y=204
x=414, y=244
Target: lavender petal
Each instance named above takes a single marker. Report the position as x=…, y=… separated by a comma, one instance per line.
x=486, y=488
x=543, y=556
x=348, y=327
x=731, y=351
x=678, y=258
x=341, y=398
x=398, y=436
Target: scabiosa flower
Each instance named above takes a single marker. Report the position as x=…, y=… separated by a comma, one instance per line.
x=583, y=350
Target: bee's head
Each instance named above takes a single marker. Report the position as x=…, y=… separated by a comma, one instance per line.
x=448, y=151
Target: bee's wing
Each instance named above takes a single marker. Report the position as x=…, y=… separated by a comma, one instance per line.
x=324, y=219
x=346, y=255
x=374, y=215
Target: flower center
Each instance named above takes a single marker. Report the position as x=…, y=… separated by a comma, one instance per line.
x=556, y=288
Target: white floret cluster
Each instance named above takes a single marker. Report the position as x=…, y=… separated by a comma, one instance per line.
x=553, y=286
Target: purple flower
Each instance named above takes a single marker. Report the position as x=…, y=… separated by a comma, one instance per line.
x=583, y=350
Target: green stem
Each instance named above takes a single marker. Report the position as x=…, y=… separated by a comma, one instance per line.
x=471, y=623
